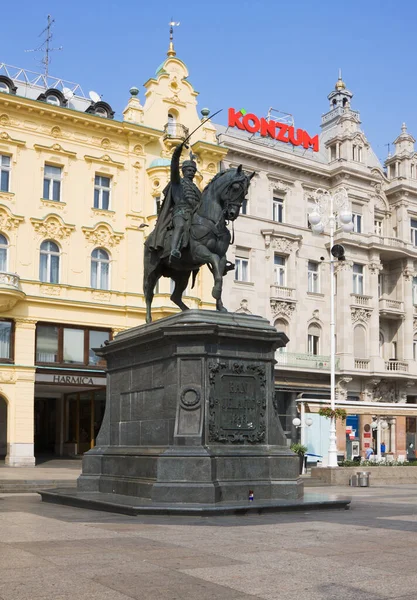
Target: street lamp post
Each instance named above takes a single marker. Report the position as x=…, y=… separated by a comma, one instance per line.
x=332, y=210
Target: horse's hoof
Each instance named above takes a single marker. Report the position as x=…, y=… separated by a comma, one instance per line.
x=222, y=309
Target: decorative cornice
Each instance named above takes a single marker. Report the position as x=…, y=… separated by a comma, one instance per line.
x=8, y=220
x=282, y=309
x=56, y=149
x=102, y=234
x=104, y=160
x=52, y=226
x=360, y=314
x=5, y=138
x=280, y=241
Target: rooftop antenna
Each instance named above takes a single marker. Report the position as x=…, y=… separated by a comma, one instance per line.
x=45, y=46
x=389, y=148
x=172, y=24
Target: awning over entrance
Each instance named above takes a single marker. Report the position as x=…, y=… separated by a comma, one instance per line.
x=386, y=409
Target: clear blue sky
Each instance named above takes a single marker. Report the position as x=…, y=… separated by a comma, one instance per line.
x=252, y=54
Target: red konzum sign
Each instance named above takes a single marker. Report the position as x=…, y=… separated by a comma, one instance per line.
x=278, y=131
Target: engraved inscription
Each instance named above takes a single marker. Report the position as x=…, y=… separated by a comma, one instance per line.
x=238, y=403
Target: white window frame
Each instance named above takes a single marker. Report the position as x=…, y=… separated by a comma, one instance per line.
x=100, y=188
x=413, y=231
x=414, y=288
x=244, y=207
x=313, y=277
x=4, y=249
x=313, y=344
x=241, y=269
x=100, y=275
x=357, y=222
x=49, y=254
x=378, y=226
x=280, y=270
x=358, y=280
x=51, y=179
x=278, y=209
x=5, y=169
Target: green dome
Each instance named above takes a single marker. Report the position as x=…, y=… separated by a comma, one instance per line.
x=160, y=162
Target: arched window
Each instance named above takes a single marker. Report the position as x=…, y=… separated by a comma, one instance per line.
x=313, y=339
x=381, y=344
x=3, y=252
x=172, y=120
x=100, y=267
x=4, y=87
x=282, y=326
x=359, y=342
x=49, y=262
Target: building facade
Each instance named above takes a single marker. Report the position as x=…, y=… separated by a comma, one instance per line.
x=79, y=192
x=282, y=269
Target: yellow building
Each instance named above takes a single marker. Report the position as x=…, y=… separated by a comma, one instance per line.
x=79, y=192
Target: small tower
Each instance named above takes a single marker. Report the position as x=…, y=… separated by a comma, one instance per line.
x=402, y=163
x=340, y=97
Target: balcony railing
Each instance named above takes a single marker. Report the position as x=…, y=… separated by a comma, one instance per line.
x=10, y=290
x=304, y=361
x=362, y=364
x=395, y=307
x=360, y=299
x=11, y=280
x=280, y=291
x=396, y=365
x=175, y=131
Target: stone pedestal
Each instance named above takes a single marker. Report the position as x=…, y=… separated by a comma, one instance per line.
x=190, y=415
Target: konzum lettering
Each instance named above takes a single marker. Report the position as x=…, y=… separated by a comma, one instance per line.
x=277, y=131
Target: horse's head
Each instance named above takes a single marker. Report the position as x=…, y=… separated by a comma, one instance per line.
x=233, y=187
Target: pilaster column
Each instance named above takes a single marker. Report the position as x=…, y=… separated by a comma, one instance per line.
x=374, y=269
x=344, y=337
x=406, y=330
x=20, y=435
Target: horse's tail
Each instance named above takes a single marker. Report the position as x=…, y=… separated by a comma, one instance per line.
x=195, y=273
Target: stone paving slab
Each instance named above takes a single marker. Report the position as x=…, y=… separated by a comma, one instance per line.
x=52, y=552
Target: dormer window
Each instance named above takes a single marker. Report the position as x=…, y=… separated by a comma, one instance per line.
x=53, y=96
x=6, y=85
x=101, y=109
x=52, y=100
x=357, y=153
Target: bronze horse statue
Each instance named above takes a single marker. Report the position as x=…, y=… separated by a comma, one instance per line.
x=209, y=239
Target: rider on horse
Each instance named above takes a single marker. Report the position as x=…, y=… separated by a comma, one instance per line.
x=182, y=197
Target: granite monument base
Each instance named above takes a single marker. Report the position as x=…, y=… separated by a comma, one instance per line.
x=190, y=415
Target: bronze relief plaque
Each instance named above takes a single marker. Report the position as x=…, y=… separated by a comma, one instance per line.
x=237, y=403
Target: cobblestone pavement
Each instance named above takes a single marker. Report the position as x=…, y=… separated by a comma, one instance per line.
x=52, y=552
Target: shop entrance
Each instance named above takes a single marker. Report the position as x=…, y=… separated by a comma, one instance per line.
x=45, y=423
x=83, y=414
x=3, y=427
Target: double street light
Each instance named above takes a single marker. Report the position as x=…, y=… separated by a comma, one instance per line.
x=332, y=211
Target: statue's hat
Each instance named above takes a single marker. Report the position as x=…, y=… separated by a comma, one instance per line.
x=190, y=162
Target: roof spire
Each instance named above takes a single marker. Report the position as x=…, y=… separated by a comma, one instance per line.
x=340, y=84
x=171, y=51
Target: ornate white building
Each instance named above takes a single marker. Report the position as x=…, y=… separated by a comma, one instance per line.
x=282, y=269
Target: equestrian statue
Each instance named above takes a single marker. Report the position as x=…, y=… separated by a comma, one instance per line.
x=191, y=230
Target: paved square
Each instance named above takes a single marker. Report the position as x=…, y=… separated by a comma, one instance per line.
x=52, y=552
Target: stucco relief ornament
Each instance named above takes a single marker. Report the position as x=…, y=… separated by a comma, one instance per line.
x=343, y=265
x=375, y=267
x=284, y=309
x=8, y=220
x=341, y=388
x=52, y=226
x=102, y=235
x=408, y=274
x=360, y=314
x=385, y=392
x=276, y=185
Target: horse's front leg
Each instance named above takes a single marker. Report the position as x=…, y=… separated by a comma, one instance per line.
x=202, y=254
x=219, y=303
